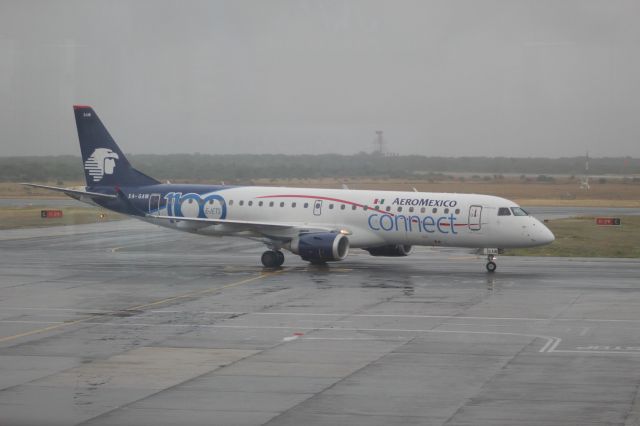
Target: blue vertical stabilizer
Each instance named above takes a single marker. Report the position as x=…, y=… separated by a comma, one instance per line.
x=104, y=163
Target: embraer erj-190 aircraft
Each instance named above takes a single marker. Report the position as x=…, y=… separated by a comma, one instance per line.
x=319, y=225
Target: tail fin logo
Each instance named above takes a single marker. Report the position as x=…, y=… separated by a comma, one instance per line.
x=101, y=162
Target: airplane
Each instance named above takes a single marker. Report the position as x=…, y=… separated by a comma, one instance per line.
x=319, y=225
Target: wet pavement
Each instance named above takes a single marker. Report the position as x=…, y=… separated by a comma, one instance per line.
x=124, y=323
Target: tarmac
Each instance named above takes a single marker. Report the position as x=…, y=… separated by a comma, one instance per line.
x=125, y=323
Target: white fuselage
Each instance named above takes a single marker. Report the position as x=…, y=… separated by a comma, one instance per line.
x=369, y=218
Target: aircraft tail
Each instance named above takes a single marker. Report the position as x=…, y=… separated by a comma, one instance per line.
x=104, y=163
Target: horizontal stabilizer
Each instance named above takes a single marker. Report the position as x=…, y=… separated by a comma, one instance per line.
x=73, y=193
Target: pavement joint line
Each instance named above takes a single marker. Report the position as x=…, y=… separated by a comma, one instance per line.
x=551, y=344
x=138, y=307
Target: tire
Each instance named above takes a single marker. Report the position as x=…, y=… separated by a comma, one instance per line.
x=270, y=259
x=280, y=257
x=491, y=266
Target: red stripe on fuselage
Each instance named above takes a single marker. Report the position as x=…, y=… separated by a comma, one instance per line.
x=337, y=200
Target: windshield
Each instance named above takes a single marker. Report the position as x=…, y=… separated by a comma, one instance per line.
x=519, y=211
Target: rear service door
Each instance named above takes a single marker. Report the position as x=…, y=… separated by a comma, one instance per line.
x=475, y=218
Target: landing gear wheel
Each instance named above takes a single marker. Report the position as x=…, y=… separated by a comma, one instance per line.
x=491, y=266
x=269, y=259
x=272, y=258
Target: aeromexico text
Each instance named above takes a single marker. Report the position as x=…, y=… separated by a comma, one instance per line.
x=424, y=202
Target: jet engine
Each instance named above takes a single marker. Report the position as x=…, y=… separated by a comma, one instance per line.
x=393, y=250
x=321, y=247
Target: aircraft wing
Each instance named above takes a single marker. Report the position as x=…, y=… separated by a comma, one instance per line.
x=243, y=224
x=73, y=193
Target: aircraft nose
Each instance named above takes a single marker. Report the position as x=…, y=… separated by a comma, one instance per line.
x=547, y=236
x=539, y=233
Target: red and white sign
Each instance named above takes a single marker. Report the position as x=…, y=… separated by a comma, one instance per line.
x=608, y=221
x=50, y=214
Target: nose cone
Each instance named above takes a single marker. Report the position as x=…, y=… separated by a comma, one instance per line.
x=546, y=236
x=538, y=234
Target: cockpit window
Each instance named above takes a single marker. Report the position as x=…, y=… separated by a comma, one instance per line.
x=504, y=211
x=518, y=211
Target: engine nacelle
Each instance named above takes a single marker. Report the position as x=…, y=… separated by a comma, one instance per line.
x=321, y=246
x=393, y=250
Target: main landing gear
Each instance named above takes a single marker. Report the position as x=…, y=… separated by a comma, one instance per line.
x=491, y=265
x=272, y=258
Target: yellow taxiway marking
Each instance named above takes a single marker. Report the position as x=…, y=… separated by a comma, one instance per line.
x=203, y=292
x=138, y=307
x=45, y=329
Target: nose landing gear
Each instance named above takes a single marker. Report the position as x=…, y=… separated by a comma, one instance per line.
x=272, y=258
x=491, y=265
x=491, y=258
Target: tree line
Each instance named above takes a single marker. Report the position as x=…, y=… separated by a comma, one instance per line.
x=242, y=167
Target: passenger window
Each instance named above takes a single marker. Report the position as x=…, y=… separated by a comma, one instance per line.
x=241, y=202
x=517, y=211
x=306, y=205
x=342, y=207
x=282, y=204
x=270, y=203
x=446, y=211
x=504, y=211
x=388, y=208
x=293, y=205
x=260, y=203
x=435, y=210
x=399, y=209
x=423, y=209
x=410, y=209
x=353, y=207
x=230, y=202
x=330, y=206
x=250, y=203
x=457, y=211
x=366, y=207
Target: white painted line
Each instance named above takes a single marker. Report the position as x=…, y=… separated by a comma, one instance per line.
x=555, y=344
x=298, y=327
x=400, y=316
x=290, y=338
x=584, y=331
x=595, y=352
x=167, y=311
x=545, y=348
x=357, y=338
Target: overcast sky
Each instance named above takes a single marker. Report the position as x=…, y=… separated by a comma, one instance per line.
x=455, y=78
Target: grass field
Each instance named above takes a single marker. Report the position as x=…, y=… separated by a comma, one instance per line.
x=581, y=237
x=29, y=217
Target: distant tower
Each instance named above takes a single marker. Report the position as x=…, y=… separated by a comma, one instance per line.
x=378, y=143
x=584, y=183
